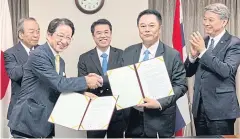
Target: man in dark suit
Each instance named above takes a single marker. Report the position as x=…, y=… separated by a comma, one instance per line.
x=99, y=60
x=15, y=57
x=214, y=61
x=154, y=118
x=43, y=81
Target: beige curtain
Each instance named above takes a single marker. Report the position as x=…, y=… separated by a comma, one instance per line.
x=18, y=9
x=192, y=20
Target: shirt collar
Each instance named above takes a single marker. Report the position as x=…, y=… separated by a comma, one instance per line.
x=100, y=52
x=218, y=37
x=26, y=48
x=53, y=51
x=152, y=49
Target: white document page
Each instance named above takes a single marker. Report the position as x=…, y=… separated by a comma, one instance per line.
x=124, y=83
x=154, y=78
x=69, y=110
x=99, y=113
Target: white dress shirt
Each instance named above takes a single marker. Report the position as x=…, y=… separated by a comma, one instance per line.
x=152, y=49
x=99, y=52
x=53, y=51
x=26, y=48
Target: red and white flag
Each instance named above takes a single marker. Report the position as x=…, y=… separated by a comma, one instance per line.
x=6, y=42
x=182, y=112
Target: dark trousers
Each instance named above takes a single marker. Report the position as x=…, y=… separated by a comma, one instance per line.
x=135, y=128
x=205, y=126
x=16, y=134
x=115, y=130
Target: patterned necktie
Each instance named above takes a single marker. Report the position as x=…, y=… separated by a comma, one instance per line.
x=146, y=55
x=30, y=51
x=57, y=63
x=211, y=46
x=104, y=63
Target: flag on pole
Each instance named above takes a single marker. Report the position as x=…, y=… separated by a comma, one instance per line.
x=182, y=112
x=6, y=41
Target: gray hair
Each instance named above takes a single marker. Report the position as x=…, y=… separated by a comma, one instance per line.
x=220, y=9
x=20, y=25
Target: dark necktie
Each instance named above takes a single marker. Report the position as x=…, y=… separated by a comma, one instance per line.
x=30, y=51
x=211, y=46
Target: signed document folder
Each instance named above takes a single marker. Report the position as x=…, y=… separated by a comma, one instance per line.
x=77, y=111
x=134, y=82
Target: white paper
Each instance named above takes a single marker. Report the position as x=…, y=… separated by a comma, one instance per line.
x=99, y=113
x=124, y=83
x=69, y=109
x=154, y=78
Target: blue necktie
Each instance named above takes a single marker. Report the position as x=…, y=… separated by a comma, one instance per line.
x=146, y=55
x=104, y=63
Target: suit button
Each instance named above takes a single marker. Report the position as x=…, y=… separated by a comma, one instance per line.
x=107, y=89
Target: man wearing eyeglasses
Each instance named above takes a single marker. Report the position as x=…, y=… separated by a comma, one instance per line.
x=98, y=60
x=43, y=81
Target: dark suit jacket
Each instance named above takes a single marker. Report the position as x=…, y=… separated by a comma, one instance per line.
x=89, y=63
x=15, y=57
x=155, y=120
x=41, y=87
x=215, y=79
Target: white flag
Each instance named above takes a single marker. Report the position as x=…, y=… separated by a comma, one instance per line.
x=6, y=41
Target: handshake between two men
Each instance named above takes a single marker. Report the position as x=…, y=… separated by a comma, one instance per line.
x=93, y=82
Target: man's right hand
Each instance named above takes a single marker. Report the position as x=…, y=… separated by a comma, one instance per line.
x=93, y=82
x=194, y=54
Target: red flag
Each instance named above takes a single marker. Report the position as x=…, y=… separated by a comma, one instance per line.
x=182, y=111
x=4, y=78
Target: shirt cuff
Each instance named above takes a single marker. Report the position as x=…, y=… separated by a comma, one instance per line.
x=201, y=54
x=192, y=59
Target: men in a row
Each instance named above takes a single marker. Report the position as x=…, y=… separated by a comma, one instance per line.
x=214, y=62
x=43, y=81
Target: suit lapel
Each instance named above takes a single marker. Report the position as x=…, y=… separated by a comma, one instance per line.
x=222, y=42
x=96, y=61
x=50, y=54
x=136, y=56
x=112, y=58
x=160, y=49
x=22, y=53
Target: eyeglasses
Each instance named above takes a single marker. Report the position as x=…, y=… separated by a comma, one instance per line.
x=100, y=34
x=61, y=37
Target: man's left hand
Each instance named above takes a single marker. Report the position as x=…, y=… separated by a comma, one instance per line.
x=150, y=103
